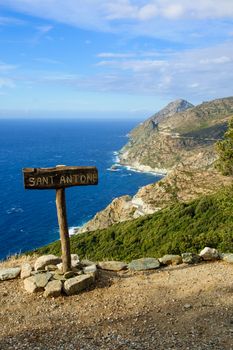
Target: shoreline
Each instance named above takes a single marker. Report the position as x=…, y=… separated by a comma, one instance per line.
x=137, y=167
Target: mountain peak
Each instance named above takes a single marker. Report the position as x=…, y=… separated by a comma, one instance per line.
x=173, y=107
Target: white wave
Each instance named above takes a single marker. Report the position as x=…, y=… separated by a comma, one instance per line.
x=14, y=210
x=72, y=230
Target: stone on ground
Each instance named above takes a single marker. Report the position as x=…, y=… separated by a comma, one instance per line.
x=171, y=259
x=30, y=285
x=26, y=270
x=42, y=279
x=75, y=260
x=209, y=254
x=90, y=269
x=46, y=260
x=77, y=284
x=86, y=262
x=9, y=273
x=53, y=289
x=112, y=265
x=190, y=258
x=144, y=264
x=51, y=267
x=228, y=257
x=69, y=274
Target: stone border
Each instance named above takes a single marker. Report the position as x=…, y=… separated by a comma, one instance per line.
x=46, y=275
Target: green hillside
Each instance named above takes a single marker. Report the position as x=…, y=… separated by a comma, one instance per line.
x=206, y=221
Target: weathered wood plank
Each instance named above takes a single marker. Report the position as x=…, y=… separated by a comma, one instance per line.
x=59, y=177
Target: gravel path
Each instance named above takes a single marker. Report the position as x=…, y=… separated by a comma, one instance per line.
x=183, y=307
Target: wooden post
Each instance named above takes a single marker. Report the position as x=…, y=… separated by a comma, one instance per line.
x=64, y=233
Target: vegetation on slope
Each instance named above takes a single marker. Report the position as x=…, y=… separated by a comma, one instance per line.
x=206, y=221
x=225, y=151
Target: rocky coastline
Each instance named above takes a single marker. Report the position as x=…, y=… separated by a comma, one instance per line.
x=178, y=143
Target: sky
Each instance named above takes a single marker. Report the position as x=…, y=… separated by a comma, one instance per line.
x=112, y=57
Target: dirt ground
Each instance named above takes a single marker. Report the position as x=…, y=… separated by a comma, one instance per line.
x=181, y=307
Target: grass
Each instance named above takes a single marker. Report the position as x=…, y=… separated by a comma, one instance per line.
x=206, y=221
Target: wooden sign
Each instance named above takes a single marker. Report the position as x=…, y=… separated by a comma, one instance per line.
x=59, y=178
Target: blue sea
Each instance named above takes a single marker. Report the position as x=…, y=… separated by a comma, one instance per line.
x=28, y=217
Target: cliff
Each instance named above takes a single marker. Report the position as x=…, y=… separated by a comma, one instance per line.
x=177, y=141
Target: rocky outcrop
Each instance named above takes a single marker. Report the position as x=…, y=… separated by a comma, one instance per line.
x=177, y=135
x=178, y=142
x=121, y=209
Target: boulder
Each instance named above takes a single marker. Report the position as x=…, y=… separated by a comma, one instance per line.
x=58, y=277
x=53, y=289
x=228, y=257
x=209, y=254
x=51, y=267
x=112, y=265
x=41, y=279
x=75, y=260
x=190, y=258
x=9, y=273
x=26, y=270
x=46, y=260
x=171, y=259
x=59, y=266
x=90, y=269
x=31, y=286
x=144, y=264
x=86, y=262
x=77, y=284
x=69, y=274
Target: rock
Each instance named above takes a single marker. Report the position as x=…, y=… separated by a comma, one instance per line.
x=31, y=286
x=9, y=273
x=77, y=271
x=86, y=262
x=26, y=270
x=77, y=284
x=112, y=265
x=170, y=259
x=228, y=257
x=59, y=277
x=69, y=274
x=41, y=279
x=46, y=260
x=90, y=269
x=75, y=260
x=59, y=266
x=144, y=264
x=190, y=258
x=93, y=275
x=187, y=306
x=51, y=267
x=53, y=289
x=209, y=254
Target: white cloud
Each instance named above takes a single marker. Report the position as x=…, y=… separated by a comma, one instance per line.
x=4, y=67
x=173, y=11
x=44, y=29
x=115, y=55
x=216, y=60
x=6, y=82
x=135, y=65
x=173, y=20
x=10, y=21
x=147, y=12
